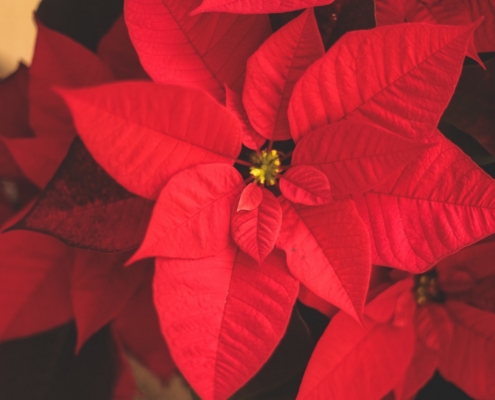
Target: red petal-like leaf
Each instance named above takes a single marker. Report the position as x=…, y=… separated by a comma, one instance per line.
x=34, y=284
x=305, y=184
x=439, y=204
x=400, y=77
x=273, y=71
x=59, y=61
x=100, y=288
x=433, y=337
x=142, y=133
x=221, y=329
x=250, y=138
x=191, y=218
x=117, y=51
x=256, y=231
x=327, y=249
x=250, y=198
x=458, y=12
x=138, y=327
x=355, y=362
x=470, y=361
x=81, y=194
x=354, y=156
x=205, y=51
x=258, y=6
x=14, y=114
x=38, y=158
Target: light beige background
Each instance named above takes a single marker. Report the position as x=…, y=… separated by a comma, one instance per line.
x=17, y=33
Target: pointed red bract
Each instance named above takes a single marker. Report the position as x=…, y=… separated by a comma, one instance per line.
x=470, y=360
x=256, y=231
x=38, y=158
x=250, y=138
x=14, y=114
x=354, y=156
x=250, y=198
x=257, y=6
x=100, y=287
x=59, y=61
x=305, y=184
x=205, y=51
x=273, y=70
x=327, y=250
x=355, y=362
x=142, y=133
x=220, y=329
x=433, y=337
x=34, y=288
x=116, y=50
x=400, y=77
x=439, y=204
x=191, y=218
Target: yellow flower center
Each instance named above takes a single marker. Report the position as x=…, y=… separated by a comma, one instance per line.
x=426, y=289
x=266, y=166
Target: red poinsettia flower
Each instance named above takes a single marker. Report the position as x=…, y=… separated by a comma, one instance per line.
x=442, y=319
x=347, y=181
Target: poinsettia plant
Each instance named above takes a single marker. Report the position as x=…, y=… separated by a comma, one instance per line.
x=209, y=180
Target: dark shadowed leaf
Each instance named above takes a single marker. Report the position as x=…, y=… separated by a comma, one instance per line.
x=472, y=108
x=85, y=21
x=44, y=367
x=84, y=207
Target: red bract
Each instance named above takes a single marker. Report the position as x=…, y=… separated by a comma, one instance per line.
x=257, y=6
x=191, y=218
x=222, y=316
x=35, y=284
x=387, y=76
x=361, y=362
x=274, y=69
x=100, y=287
x=153, y=131
x=205, y=51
